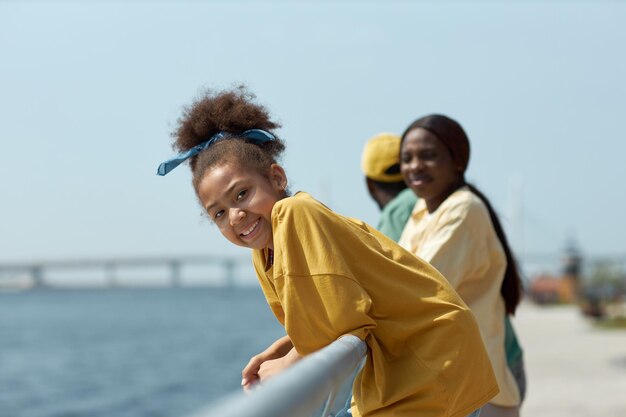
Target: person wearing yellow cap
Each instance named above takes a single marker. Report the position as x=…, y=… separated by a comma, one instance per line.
x=381, y=165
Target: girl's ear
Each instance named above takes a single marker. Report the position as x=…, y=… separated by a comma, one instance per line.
x=278, y=178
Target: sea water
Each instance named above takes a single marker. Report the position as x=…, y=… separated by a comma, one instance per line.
x=127, y=352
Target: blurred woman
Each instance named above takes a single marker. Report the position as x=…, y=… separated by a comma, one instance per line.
x=454, y=228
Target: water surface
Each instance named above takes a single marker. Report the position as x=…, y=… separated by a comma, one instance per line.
x=126, y=352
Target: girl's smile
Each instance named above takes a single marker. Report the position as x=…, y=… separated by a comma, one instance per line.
x=418, y=180
x=251, y=229
x=240, y=202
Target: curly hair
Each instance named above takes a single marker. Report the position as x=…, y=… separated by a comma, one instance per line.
x=232, y=111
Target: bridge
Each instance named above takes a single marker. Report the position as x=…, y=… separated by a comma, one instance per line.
x=37, y=274
x=225, y=270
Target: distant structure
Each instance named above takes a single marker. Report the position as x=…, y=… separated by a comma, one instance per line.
x=572, y=260
x=36, y=274
x=562, y=288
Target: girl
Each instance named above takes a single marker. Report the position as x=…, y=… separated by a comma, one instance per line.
x=325, y=275
x=455, y=229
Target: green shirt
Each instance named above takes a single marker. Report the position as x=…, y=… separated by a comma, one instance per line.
x=396, y=213
x=511, y=345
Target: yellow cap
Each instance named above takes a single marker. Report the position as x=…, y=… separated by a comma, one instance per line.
x=381, y=153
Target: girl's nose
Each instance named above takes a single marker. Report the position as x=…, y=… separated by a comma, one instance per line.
x=236, y=215
x=414, y=164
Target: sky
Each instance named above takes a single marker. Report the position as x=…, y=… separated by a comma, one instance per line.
x=91, y=91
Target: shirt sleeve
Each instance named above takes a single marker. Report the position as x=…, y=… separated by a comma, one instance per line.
x=269, y=291
x=456, y=249
x=318, y=309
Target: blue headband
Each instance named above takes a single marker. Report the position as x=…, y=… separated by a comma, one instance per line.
x=255, y=136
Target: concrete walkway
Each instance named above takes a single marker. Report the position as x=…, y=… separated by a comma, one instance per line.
x=574, y=369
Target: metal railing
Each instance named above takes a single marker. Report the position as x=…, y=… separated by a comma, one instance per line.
x=300, y=391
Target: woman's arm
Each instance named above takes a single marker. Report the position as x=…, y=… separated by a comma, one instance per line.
x=255, y=370
x=275, y=366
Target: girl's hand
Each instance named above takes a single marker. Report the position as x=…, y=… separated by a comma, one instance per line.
x=250, y=373
x=275, y=366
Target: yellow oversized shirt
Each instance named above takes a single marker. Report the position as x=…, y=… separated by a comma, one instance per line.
x=333, y=275
x=459, y=240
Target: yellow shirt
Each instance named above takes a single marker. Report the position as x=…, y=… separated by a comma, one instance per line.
x=459, y=240
x=333, y=275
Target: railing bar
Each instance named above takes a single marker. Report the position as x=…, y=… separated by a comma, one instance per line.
x=300, y=390
x=329, y=402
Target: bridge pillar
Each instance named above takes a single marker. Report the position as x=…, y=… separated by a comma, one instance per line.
x=175, y=273
x=229, y=265
x=110, y=274
x=36, y=272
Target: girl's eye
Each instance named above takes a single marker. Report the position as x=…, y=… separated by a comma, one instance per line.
x=241, y=194
x=428, y=155
x=218, y=214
